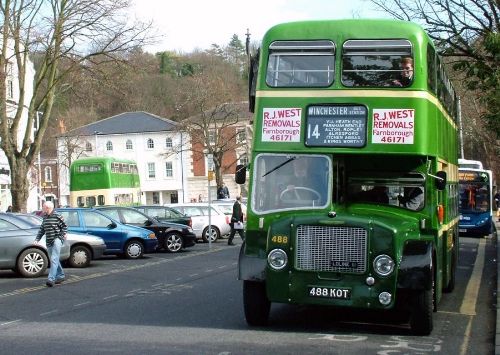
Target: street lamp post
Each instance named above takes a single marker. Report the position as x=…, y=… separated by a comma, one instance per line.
x=95, y=135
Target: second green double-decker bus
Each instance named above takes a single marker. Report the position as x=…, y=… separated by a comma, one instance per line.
x=103, y=181
x=353, y=175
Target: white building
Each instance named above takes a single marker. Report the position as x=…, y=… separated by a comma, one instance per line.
x=12, y=105
x=154, y=143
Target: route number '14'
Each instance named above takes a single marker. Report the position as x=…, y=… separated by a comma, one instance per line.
x=314, y=133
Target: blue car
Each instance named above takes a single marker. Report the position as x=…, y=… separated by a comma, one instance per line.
x=130, y=241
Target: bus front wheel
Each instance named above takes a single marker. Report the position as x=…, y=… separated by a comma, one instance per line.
x=256, y=303
x=421, y=322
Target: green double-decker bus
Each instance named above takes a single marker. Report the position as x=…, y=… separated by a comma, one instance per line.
x=103, y=181
x=353, y=191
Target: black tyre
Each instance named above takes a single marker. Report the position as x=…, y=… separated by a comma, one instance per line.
x=32, y=263
x=421, y=322
x=80, y=256
x=173, y=242
x=257, y=305
x=451, y=283
x=134, y=249
x=214, y=235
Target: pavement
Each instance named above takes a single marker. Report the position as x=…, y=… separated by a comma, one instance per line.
x=497, y=335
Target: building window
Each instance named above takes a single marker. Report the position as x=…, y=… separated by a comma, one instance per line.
x=10, y=81
x=151, y=170
x=168, y=143
x=211, y=137
x=241, y=136
x=151, y=143
x=109, y=146
x=48, y=174
x=168, y=169
x=243, y=160
x=128, y=145
x=88, y=147
x=10, y=89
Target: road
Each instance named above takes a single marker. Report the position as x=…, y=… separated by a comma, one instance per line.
x=191, y=303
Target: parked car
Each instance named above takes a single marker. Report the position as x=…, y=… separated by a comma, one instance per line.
x=121, y=239
x=18, y=250
x=83, y=247
x=199, y=214
x=165, y=214
x=171, y=236
x=226, y=205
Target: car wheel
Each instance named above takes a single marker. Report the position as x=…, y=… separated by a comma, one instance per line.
x=214, y=235
x=80, y=256
x=134, y=249
x=32, y=263
x=173, y=242
x=255, y=302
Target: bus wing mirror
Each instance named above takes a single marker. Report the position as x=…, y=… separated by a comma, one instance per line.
x=253, y=71
x=241, y=174
x=440, y=180
x=112, y=225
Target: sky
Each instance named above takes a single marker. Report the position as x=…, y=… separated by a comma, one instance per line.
x=186, y=25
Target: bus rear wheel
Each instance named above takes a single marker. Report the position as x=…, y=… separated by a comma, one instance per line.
x=451, y=283
x=257, y=305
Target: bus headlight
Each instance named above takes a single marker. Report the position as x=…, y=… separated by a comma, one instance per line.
x=383, y=265
x=277, y=259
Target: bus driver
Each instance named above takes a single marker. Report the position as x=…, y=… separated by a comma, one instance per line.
x=305, y=183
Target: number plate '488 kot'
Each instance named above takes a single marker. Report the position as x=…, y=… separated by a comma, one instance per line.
x=330, y=292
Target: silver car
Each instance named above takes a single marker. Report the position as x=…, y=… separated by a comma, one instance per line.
x=18, y=250
x=199, y=215
x=83, y=247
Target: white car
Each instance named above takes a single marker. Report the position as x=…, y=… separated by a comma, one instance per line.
x=199, y=215
x=226, y=206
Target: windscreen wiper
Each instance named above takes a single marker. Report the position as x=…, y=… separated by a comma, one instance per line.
x=279, y=166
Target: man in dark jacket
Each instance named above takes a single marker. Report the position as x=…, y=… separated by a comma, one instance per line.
x=222, y=192
x=55, y=229
x=236, y=217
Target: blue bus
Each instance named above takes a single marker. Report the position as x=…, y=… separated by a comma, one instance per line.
x=475, y=184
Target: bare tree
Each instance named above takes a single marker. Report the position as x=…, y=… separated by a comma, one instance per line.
x=467, y=35
x=73, y=145
x=65, y=35
x=211, y=99
x=467, y=31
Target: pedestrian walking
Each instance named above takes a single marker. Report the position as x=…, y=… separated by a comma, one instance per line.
x=236, y=221
x=55, y=229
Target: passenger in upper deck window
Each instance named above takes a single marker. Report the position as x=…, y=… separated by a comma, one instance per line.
x=406, y=73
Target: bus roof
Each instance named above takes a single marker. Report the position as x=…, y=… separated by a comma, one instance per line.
x=470, y=164
x=352, y=29
x=94, y=160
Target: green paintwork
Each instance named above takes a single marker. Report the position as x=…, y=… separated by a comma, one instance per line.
x=103, y=179
x=388, y=227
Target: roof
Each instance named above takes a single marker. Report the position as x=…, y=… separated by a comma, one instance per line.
x=127, y=122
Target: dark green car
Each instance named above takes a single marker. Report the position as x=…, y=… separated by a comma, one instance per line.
x=165, y=214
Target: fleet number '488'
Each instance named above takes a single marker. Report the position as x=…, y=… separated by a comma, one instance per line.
x=280, y=239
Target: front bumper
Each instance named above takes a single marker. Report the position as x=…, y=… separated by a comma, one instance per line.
x=150, y=245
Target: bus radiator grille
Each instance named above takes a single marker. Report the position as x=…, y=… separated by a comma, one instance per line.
x=331, y=249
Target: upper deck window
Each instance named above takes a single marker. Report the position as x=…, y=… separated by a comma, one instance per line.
x=301, y=64
x=377, y=63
